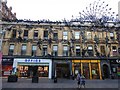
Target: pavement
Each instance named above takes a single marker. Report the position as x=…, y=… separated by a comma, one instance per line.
x=61, y=83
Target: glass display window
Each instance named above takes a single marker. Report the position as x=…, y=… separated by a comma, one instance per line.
x=95, y=70
x=86, y=71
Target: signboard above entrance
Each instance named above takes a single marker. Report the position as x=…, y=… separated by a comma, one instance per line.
x=33, y=60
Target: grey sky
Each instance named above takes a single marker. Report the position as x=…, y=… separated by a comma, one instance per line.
x=54, y=9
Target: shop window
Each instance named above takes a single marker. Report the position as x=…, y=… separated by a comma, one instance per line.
x=90, y=51
x=86, y=71
x=11, y=49
x=78, y=51
x=55, y=36
x=43, y=71
x=95, y=71
x=65, y=50
x=34, y=49
x=65, y=35
x=45, y=50
x=25, y=34
x=23, y=71
x=55, y=50
x=35, y=34
x=77, y=68
x=23, y=50
x=45, y=34
x=6, y=70
x=77, y=35
x=114, y=50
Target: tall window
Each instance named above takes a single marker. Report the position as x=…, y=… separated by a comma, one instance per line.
x=77, y=50
x=100, y=35
x=89, y=35
x=114, y=50
x=55, y=35
x=14, y=34
x=45, y=34
x=55, y=50
x=11, y=49
x=65, y=50
x=34, y=49
x=90, y=50
x=35, y=34
x=25, y=34
x=111, y=35
x=23, y=49
x=102, y=49
x=45, y=50
x=65, y=35
x=77, y=35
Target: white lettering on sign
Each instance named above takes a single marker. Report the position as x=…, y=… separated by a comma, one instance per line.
x=32, y=60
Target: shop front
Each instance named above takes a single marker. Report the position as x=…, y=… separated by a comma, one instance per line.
x=32, y=67
x=7, y=64
x=61, y=68
x=89, y=68
x=114, y=64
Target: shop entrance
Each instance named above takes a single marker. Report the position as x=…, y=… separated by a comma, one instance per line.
x=63, y=70
x=105, y=71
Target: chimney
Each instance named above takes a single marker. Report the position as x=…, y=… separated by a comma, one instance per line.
x=15, y=14
x=10, y=8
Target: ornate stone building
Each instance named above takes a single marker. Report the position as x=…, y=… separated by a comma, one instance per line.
x=61, y=49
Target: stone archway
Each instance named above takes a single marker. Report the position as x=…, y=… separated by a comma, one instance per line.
x=106, y=71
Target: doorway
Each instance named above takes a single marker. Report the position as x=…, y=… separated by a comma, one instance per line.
x=105, y=71
x=63, y=70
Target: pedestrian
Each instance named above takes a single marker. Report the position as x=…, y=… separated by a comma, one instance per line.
x=78, y=79
x=82, y=81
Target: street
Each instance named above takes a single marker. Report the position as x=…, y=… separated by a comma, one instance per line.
x=61, y=83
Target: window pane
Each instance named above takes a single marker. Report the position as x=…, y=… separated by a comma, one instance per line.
x=26, y=33
x=11, y=46
x=55, y=36
x=90, y=47
x=45, y=34
x=111, y=35
x=23, y=51
x=65, y=48
x=23, y=47
x=45, y=50
x=36, y=34
x=11, y=49
x=88, y=35
x=65, y=35
x=14, y=34
x=77, y=35
x=34, y=47
x=55, y=48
